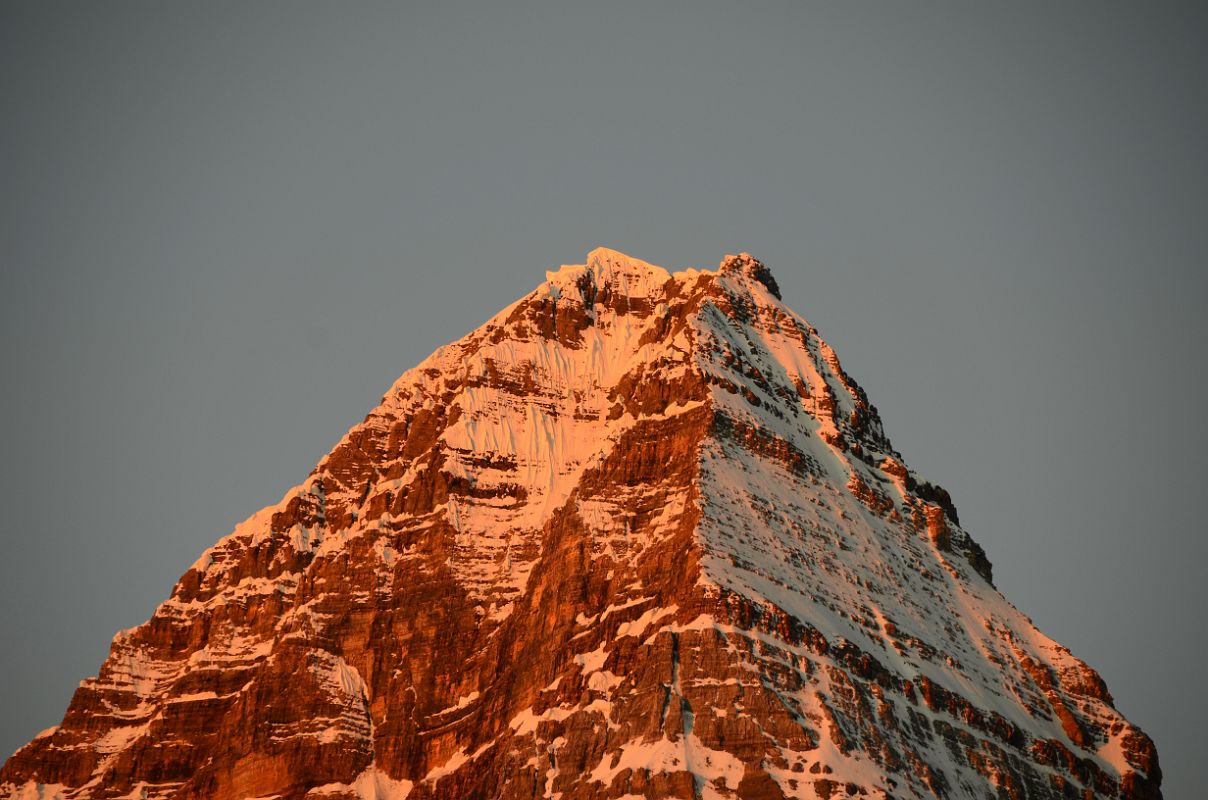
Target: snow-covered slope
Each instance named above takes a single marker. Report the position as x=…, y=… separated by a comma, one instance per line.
x=637, y=535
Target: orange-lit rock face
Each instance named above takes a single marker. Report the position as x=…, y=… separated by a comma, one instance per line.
x=639, y=535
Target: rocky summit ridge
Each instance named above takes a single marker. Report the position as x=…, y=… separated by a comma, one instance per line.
x=639, y=535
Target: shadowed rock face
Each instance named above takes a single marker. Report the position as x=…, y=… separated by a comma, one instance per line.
x=638, y=535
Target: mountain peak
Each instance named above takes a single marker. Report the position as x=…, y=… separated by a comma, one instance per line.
x=746, y=264
x=638, y=534
x=634, y=277
x=605, y=268
x=606, y=258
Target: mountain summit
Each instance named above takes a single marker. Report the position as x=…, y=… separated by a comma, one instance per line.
x=639, y=535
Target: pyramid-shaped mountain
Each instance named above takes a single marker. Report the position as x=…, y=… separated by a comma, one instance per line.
x=639, y=535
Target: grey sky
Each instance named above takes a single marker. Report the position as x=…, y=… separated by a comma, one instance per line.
x=226, y=228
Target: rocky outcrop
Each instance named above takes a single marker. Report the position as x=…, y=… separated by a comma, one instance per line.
x=638, y=535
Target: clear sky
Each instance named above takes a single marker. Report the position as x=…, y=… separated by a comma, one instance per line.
x=226, y=228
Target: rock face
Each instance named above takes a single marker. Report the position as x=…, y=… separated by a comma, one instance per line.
x=639, y=535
